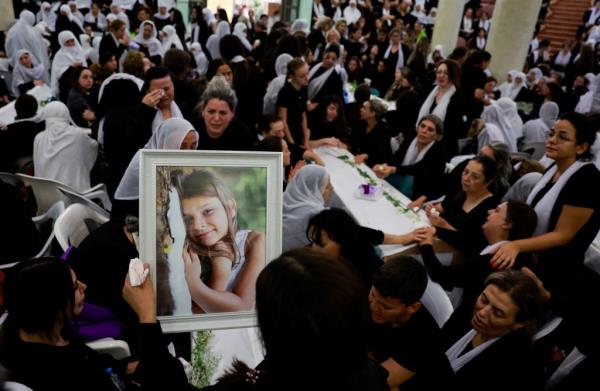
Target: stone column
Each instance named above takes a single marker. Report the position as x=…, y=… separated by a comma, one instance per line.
x=227, y=5
x=447, y=24
x=513, y=23
x=7, y=15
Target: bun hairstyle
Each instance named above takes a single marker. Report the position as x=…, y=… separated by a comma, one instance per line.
x=218, y=88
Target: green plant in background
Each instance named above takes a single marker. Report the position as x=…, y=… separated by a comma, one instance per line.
x=250, y=191
x=204, y=361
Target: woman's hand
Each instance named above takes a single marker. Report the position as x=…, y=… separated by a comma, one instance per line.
x=310, y=106
x=89, y=116
x=426, y=235
x=361, y=158
x=191, y=263
x=544, y=293
x=417, y=203
x=152, y=98
x=38, y=82
x=505, y=256
x=141, y=298
x=383, y=170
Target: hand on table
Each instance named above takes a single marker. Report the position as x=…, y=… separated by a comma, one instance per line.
x=426, y=235
x=360, y=158
x=382, y=170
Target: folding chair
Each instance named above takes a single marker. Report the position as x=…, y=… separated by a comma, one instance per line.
x=75, y=224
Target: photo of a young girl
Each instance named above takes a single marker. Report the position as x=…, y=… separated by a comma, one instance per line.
x=218, y=245
x=221, y=260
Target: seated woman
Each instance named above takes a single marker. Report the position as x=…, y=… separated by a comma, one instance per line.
x=326, y=312
x=499, y=339
x=81, y=100
x=459, y=218
x=304, y=197
x=64, y=152
x=27, y=73
x=328, y=126
x=371, y=143
x=217, y=127
x=418, y=166
x=42, y=351
x=336, y=233
x=511, y=220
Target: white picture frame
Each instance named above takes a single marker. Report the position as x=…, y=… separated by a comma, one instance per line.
x=257, y=170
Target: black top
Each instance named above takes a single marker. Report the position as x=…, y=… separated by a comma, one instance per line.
x=510, y=356
x=16, y=142
x=108, y=45
x=404, y=118
x=558, y=266
x=250, y=91
x=236, y=137
x=332, y=86
x=375, y=143
x=428, y=173
x=78, y=102
x=416, y=345
x=472, y=78
x=468, y=236
x=295, y=102
x=77, y=367
x=469, y=275
x=454, y=125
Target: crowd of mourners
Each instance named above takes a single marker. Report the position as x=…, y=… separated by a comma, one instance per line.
x=506, y=170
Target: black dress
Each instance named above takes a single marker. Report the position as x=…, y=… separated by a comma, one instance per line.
x=375, y=143
x=236, y=137
x=295, y=102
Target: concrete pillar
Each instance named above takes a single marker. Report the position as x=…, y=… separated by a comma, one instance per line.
x=512, y=28
x=305, y=12
x=227, y=5
x=447, y=24
x=7, y=15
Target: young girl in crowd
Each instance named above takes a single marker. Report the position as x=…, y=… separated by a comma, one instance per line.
x=221, y=261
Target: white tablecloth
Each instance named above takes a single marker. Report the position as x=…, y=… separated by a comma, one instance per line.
x=379, y=214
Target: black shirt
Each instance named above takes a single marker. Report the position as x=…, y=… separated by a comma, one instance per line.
x=295, y=102
x=236, y=137
x=375, y=143
x=416, y=345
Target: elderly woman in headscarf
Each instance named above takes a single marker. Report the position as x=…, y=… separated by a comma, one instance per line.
x=148, y=41
x=170, y=39
x=509, y=108
x=22, y=35
x=67, y=21
x=493, y=115
x=174, y=133
x=505, y=86
x=518, y=84
x=27, y=73
x=70, y=55
x=304, y=197
x=212, y=44
x=270, y=100
x=47, y=16
x=536, y=130
x=62, y=151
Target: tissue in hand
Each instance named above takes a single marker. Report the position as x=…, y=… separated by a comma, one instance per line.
x=137, y=274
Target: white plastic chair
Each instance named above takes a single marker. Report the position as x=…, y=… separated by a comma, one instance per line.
x=117, y=348
x=46, y=192
x=75, y=224
x=72, y=197
x=437, y=302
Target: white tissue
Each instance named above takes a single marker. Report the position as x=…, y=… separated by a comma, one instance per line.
x=137, y=274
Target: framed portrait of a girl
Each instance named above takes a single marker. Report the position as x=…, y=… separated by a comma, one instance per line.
x=209, y=223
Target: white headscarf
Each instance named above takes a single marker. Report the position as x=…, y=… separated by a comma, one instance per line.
x=65, y=9
x=239, y=30
x=493, y=114
x=169, y=135
x=509, y=108
x=270, y=99
x=22, y=35
x=154, y=46
x=22, y=75
x=536, y=130
x=200, y=57
x=300, y=25
x=351, y=12
x=488, y=134
x=64, y=58
x=440, y=50
x=64, y=152
x=170, y=39
x=515, y=87
x=94, y=54
x=505, y=86
x=212, y=44
x=538, y=76
x=47, y=16
x=302, y=199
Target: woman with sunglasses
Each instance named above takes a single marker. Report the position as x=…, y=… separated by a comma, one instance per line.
x=568, y=209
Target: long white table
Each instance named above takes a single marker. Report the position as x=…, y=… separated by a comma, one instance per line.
x=379, y=214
